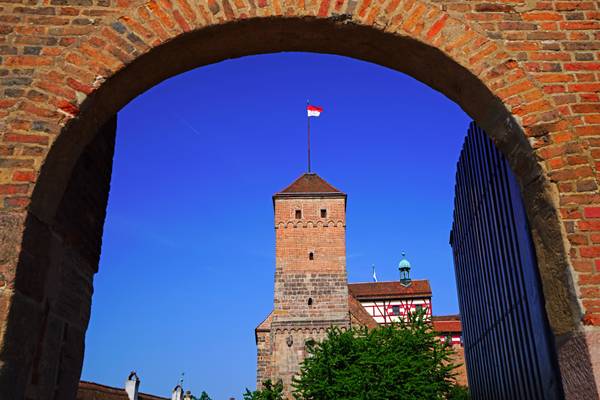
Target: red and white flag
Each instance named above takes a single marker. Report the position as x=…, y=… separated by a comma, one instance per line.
x=313, y=111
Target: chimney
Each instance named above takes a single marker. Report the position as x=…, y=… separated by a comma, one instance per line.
x=177, y=393
x=132, y=384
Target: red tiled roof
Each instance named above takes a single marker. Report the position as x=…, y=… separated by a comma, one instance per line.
x=360, y=314
x=446, y=323
x=389, y=290
x=96, y=391
x=266, y=324
x=452, y=317
x=309, y=183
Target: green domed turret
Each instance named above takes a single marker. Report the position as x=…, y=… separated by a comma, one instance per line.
x=404, y=267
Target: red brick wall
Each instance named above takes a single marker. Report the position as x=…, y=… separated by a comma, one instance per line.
x=50, y=309
x=323, y=279
x=461, y=371
x=527, y=71
x=298, y=278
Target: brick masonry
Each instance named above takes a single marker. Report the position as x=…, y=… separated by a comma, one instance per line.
x=297, y=277
x=311, y=285
x=527, y=71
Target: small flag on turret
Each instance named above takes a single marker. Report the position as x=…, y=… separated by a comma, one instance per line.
x=313, y=111
x=374, y=274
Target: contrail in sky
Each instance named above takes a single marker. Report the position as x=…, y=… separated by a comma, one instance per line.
x=187, y=124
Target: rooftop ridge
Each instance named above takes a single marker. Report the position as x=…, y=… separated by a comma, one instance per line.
x=89, y=385
x=390, y=289
x=307, y=184
x=375, y=283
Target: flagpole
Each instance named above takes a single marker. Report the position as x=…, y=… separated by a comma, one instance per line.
x=308, y=123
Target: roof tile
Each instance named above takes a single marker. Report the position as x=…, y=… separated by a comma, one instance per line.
x=309, y=183
x=446, y=323
x=360, y=314
x=96, y=391
x=389, y=290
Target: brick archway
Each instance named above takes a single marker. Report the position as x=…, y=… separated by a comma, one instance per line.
x=68, y=75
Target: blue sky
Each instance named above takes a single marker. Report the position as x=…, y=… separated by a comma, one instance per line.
x=187, y=261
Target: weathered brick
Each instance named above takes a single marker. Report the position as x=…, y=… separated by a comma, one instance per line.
x=26, y=61
x=583, y=66
x=16, y=202
x=13, y=189
x=591, y=212
x=22, y=138
x=24, y=176
x=71, y=2
x=493, y=7
x=589, y=251
x=586, y=108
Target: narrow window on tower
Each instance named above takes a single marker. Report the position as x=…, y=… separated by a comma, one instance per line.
x=323, y=213
x=310, y=301
x=311, y=256
x=298, y=214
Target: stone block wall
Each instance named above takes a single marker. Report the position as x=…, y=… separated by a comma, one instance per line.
x=263, y=357
x=289, y=349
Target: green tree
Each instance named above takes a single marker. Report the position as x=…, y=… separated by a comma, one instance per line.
x=459, y=393
x=269, y=391
x=203, y=396
x=401, y=361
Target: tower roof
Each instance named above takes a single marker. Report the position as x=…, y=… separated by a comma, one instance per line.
x=404, y=262
x=310, y=184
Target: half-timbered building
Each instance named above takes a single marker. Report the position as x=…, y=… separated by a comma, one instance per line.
x=391, y=301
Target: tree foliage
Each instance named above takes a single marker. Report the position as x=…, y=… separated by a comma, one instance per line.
x=404, y=361
x=204, y=396
x=269, y=391
x=459, y=393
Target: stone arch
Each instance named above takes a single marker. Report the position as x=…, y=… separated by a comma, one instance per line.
x=76, y=94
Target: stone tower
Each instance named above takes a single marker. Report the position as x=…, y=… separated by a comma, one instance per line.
x=311, y=287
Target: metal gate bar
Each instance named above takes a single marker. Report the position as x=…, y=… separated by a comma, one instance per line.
x=509, y=348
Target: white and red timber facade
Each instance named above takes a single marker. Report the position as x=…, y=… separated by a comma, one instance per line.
x=388, y=302
x=312, y=292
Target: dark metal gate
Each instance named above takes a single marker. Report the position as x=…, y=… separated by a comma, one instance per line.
x=509, y=348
